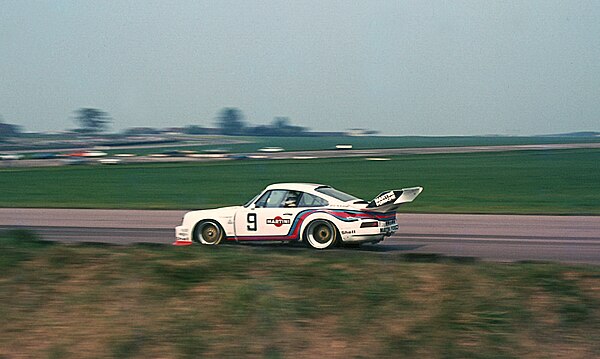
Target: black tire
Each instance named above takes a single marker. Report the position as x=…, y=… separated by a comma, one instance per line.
x=208, y=233
x=320, y=234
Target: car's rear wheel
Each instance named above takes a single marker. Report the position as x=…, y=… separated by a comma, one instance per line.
x=320, y=234
x=208, y=233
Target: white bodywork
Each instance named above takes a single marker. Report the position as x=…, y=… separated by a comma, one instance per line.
x=283, y=212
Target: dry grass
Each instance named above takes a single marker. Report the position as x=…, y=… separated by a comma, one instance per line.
x=61, y=301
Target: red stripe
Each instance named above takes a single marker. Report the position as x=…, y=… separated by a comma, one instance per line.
x=298, y=224
x=182, y=243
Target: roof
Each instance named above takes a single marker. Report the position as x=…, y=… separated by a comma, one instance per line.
x=304, y=187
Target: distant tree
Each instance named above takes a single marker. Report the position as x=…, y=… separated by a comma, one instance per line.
x=281, y=123
x=137, y=131
x=260, y=130
x=282, y=126
x=92, y=120
x=8, y=130
x=231, y=121
x=194, y=130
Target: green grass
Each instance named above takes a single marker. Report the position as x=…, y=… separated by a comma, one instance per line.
x=545, y=182
x=73, y=301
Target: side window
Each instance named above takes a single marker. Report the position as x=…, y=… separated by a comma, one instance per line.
x=309, y=200
x=272, y=199
x=282, y=198
x=276, y=199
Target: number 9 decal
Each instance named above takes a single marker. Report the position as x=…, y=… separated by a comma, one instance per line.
x=252, y=222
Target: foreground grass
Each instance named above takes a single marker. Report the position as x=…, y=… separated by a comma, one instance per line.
x=72, y=301
x=545, y=182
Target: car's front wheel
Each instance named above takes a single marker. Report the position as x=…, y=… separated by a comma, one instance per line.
x=320, y=234
x=209, y=233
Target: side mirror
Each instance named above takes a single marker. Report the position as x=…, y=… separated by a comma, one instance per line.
x=252, y=206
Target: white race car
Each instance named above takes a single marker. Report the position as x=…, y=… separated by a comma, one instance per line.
x=318, y=215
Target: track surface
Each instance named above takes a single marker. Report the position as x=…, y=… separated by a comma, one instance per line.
x=573, y=239
x=374, y=153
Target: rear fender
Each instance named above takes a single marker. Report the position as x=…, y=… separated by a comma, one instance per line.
x=319, y=216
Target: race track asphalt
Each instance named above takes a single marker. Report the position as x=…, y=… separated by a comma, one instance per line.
x=367, y=153
x=571, y=239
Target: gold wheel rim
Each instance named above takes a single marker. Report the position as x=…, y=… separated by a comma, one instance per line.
x=322, y=234
x=210, y=233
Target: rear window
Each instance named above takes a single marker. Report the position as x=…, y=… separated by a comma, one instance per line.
x=308, y=200
x=332, y=192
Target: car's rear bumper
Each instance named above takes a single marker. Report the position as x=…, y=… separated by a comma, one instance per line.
x=364, y=238
x=364, y=235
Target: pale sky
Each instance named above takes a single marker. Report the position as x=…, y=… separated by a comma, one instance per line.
x=400, y=67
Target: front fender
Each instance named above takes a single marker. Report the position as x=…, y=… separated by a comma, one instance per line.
x=224, y=216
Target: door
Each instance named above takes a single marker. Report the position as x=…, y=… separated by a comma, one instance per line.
x=270, y=217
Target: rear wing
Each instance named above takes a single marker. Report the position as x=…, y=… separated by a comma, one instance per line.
x=390, y=200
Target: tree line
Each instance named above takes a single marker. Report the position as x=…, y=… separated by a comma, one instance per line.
x=230, y=121
x=8, y=130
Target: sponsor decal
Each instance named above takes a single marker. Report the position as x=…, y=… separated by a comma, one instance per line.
x=294, y=231
x=385, y=198
x=389, y=229
x=278, y=221
x=349, y=232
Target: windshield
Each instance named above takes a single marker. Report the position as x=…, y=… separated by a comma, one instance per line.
x=252, y=200
x=332, y=192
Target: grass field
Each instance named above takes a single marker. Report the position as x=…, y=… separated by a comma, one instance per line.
x=74, y=301
x=545, y=182
x=253, y=144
